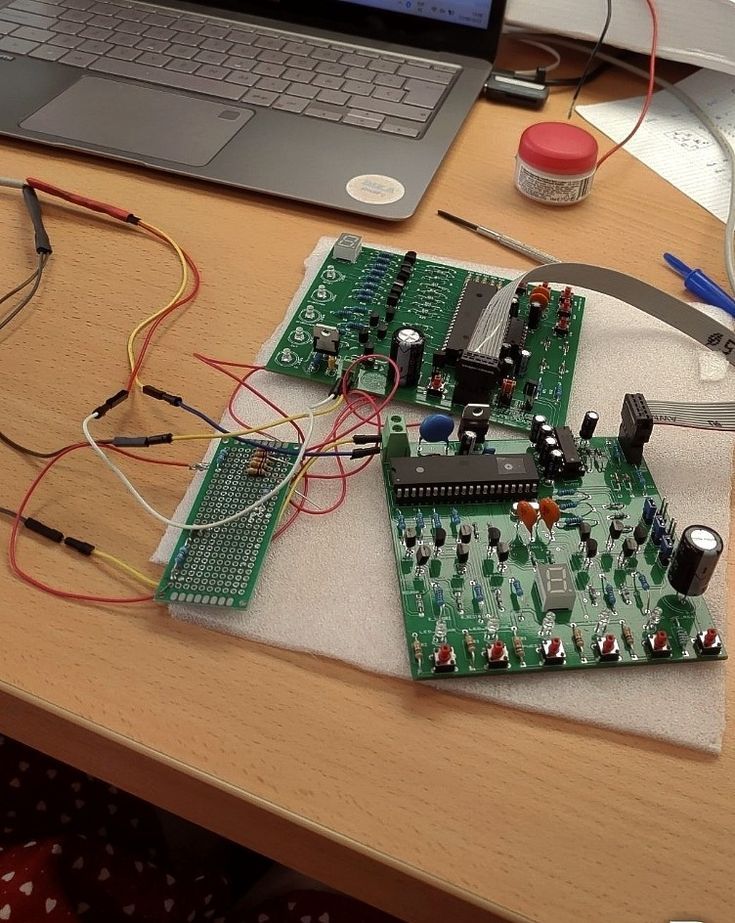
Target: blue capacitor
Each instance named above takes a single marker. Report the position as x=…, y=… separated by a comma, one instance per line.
x=419, y=521
x=665, y=550
x=436, y=520
x=437, y=427
x=478, y=594
x=643, y=582
x=454, y=517
x=649, y=510
x=515, y=587
x=609, y=594
x=658, y=529
x=439, y=596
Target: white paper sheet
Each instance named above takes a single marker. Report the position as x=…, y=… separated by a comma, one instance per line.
x=673, y=142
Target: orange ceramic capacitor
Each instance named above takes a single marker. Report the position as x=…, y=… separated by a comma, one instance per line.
x=541, y=293
x=527, y=514
x=550, y=512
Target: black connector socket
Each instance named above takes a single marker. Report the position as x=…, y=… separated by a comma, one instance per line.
x=110, y=403
x=477, y=375
x=636, y=427
x=174, y=399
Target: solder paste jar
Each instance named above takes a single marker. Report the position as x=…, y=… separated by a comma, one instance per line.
x=556, y=163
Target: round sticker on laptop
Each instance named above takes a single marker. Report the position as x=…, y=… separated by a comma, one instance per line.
x=375, y=189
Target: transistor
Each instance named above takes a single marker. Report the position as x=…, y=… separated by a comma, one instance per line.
x=616, y=530
x=503, y=552
x=640, y=534
x=423, y=555
x=465, y=533
x=493, y=537
x=409, y=537
x=463, y=554
x=585, y=530
x=590, y=550
x=440, y=536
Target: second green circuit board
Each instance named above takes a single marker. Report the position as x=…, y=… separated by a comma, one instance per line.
x=423, y=313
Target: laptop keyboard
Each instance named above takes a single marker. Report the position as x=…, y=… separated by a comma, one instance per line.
x=232, y=61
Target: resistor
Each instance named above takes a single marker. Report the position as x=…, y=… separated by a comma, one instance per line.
x=181, y=555
x=436, y=520
x=438, y=596
x=518, y=649
x=401, y=524
x=571, y=522
x=625, y=595
x=643, y=581
x=566, y=492
x=454, y=517
x=419, y=521
x=609, y=594
x=627, y=633
x=577, y=638
x=469, y=644
x=594, y=595
x=568, y=504
x=614, y=506
x=515, y=587
x=558, y=392
x=418, y=651
x=478, y=593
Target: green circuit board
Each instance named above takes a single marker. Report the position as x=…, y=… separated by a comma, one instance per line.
x=220, y=567
x=543, y=608
x=352, y=297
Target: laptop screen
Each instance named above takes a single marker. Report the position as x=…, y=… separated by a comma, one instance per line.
x=462, y=12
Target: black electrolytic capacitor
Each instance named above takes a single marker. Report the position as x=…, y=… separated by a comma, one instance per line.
x=515, y=306
x=640, y=534
x=547, y=447
x=440, y=536
x=382, y=330
x=493, y=536
x=409, y=537
x=695, y=560
x=507, y=368
x=616, y=529
x=589, y=423
x=368, y=349
x=374, y=319
x=585, y=530
x=465, y=533
x=423, y=555
x=591, y=548
x=503, y=551
x=363, y=334
x=554, y=464
x=535, y=310
x=544, y=431
x=463, y=554
x=536, y=423
x=407, y=351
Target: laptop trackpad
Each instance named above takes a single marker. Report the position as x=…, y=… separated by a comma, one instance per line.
x=140, y=120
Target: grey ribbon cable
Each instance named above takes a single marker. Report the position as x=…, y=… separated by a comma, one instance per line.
x=678, y=314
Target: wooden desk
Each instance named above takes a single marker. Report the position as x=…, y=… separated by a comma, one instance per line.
x=312, y=762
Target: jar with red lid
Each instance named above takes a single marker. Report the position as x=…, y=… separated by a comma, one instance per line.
x=556, y=163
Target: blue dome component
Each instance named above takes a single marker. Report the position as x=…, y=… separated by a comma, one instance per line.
x=437, y=427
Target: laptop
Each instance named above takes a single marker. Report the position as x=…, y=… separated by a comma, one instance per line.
x=350, y=104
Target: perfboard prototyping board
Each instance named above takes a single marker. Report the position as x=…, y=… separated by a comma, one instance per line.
x=220, y=567
x=444, y=303
x=546, y=607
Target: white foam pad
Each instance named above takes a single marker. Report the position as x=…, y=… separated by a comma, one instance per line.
x=329, y=585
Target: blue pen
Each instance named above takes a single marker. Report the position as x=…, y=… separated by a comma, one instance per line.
x=701, y=285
